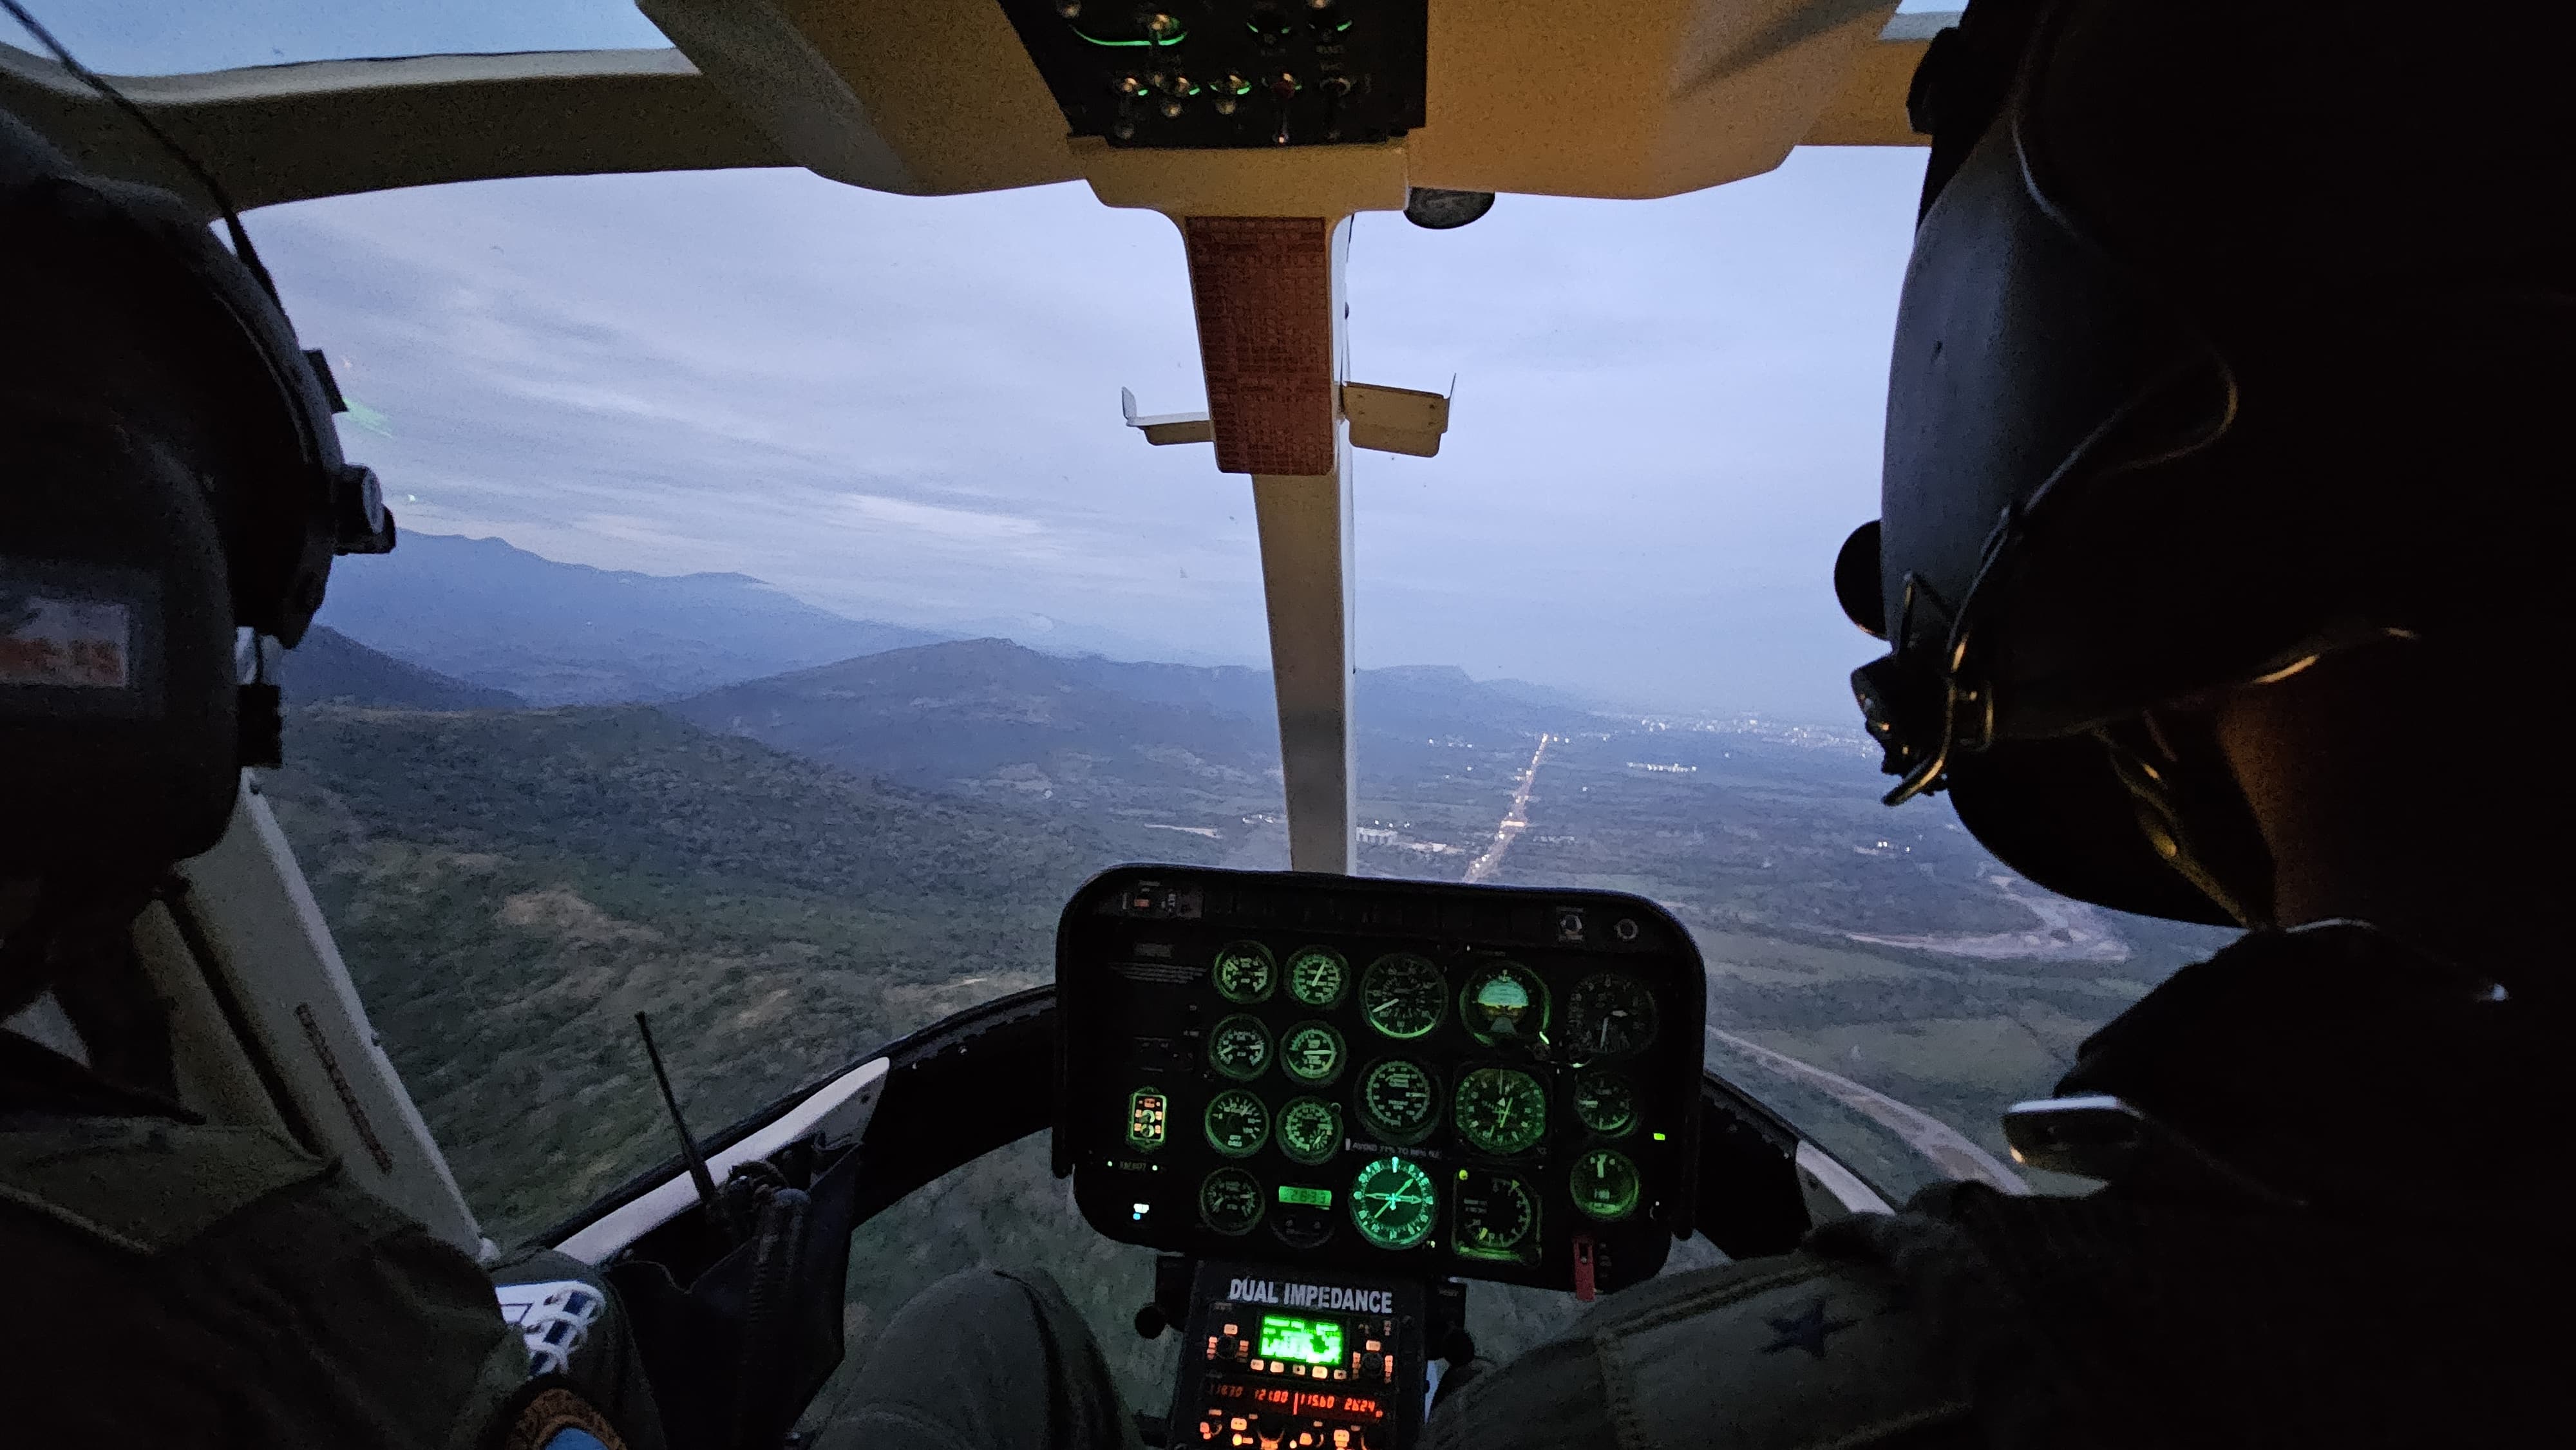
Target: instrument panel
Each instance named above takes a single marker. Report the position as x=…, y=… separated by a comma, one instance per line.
x=1396, y=1077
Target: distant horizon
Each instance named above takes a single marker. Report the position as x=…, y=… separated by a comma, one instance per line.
x=1591, y=700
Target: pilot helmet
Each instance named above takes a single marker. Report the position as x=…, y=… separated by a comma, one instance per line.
x=172, y=478
x=2235, y=333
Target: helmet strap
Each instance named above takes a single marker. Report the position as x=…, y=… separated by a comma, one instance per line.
x=2191, y=812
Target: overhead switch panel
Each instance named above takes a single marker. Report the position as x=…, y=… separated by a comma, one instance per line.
x=1210, y=74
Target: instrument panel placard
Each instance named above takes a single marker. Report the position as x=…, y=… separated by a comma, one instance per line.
x=1400, y=1077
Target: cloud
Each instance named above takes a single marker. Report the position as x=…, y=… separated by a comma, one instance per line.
x=1667, y=418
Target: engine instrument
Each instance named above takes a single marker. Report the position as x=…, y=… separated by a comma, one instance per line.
x=1318, y=976
x=1404, y=1080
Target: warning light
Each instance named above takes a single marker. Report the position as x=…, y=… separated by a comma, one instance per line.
x=1659, y=1137
x=1147, y=1111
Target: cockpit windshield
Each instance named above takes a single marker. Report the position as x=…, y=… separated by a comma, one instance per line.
x=786, y=623
x=174, y=37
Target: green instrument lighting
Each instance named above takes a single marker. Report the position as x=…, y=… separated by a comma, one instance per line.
x=1306, y=1197
x=1175, y=38
x=1307, y=1341
x=1659, y=1137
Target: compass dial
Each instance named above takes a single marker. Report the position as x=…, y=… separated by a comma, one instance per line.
x=1608, y=1016
x=1393, y=1203
x=1604, y=1184
x=1239, y=1047
x=1399, y=1101
x=1318, y=976
x=1504, y=1002
x=1236, y=1122
x=1311, y=1052
x=1230, y=1201
x=1244, y=972
x=1403, y=995
x=1501, y=1110
x=1310, y=1130
x=1497, y=1218
x=1605, y=1103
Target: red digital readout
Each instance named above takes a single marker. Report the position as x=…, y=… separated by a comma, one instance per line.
x=1307, y=1402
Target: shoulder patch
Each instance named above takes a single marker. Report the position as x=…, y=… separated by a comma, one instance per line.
x=146, y=1186
x=550, y=1414
x=1794, y=1351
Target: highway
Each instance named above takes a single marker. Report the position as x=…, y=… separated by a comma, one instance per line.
x=1515, y=819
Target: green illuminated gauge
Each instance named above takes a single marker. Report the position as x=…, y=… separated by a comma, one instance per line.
x=1501, y=1110
x=1236, y=1122
x=1244, y=972
x=1399, y=1101
x=1239, y=1047
x=1393, y=1203
x=1605, y=1103
x=1318, y=976
x=1497, y=1217
x=1403, y=995
x=1230, y=1201
x=1148, y=1115
x=1310, y=1130
x=1504, y=1002
x=1608, y=1016
x=1604, y=1184
x=1311, y=1052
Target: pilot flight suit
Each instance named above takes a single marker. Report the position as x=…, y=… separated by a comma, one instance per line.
x=173, y=1283
x=2382, y=1269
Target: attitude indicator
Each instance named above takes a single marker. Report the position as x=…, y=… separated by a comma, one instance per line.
x=1504, y=1002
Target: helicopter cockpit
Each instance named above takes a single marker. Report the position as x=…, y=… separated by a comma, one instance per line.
x=1334, y=1108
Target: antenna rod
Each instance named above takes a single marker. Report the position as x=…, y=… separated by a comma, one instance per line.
x=697, y=1161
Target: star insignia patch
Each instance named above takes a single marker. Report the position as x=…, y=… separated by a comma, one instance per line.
x=1805, y=1331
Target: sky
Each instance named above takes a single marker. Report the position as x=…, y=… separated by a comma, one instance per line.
x=1667, y=413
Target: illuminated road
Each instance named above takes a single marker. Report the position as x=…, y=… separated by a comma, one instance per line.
x=1515, y=819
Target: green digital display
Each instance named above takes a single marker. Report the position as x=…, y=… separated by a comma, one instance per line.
x=1310, y=1197
x=1307, y=1341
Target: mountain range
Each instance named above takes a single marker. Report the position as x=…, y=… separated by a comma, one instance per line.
x=567, y=634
